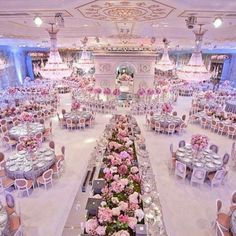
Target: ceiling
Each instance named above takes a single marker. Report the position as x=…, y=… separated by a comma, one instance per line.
x=117, y=23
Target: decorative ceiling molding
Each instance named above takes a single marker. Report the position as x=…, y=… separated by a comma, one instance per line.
x=125, y=11
x=32, y=13
x=208, y=14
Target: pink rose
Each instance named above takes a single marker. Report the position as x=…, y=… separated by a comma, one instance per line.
x=123, y=206
x=132, y=222
x=91, y=225
x=101, y=230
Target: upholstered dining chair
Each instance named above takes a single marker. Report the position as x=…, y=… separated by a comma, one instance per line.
x=15, y=225
x=225, y=159
x=174, y=113
x=170, y=129
x=220, y=232
x=180, y=170
x=214, y=148
x=10, y=204
x=231, y=131
x=52, y=145
x=45, y=179
x=23, y=185
x=10, y=143
x=214, y=125
x=57, y=168
x=183, y=117
x=222, y=219
x=182, y=143
x=81, y=123
x=217, y=178
x=69, y=124
x=233, y=151
x=62, y=155
x=198, y=176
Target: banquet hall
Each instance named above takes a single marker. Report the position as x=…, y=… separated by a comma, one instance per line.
x=118, y=118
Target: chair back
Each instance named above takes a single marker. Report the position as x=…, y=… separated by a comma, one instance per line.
x=47, y=175
x=52, y=145
x=226, y=159
x=180, y=169
x=233, y=198
x=2, y=157
x=10, y=201
x=198, y=175
x=21, y=184
x=39, y=136
x=63, y=149
x=182, y=143
x=233, y=150
x=183, y=117
x=82, y=121
x=214, y=148
x=219, y=231
x=174, y=113
x=69, y=121
x=218, y=205
x=19, y=147
x=157, y=124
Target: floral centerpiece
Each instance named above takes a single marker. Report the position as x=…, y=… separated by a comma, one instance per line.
x=30, y=143
x=75, y=106
x=121, y=207
x=166, y=108
x=199, y=142
x=12, y=90
x=158, y=91
x=26, y=117
x=150, y=92
x=116, y=92
x=107, y=91
x=141, y=92
x=208, y=95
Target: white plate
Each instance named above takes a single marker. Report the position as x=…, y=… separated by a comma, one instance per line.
x=27, y=168
x=13, y=168
x=22, y=152
x=217, y=162
x=180, y=154
x=181, y=149
x=40, y=164
x=210, y=165
x=48, y=158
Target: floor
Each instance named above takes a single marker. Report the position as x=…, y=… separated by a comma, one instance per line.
x=188, y=210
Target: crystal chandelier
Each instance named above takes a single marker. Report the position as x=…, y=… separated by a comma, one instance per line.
x=165, y=64
x=195, y=70
x=55, y=68
x=85, y=62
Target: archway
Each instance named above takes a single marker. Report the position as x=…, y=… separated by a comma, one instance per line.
x=125, y=73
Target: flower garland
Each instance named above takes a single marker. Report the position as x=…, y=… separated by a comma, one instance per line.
x=121, y=208
x=75, y=105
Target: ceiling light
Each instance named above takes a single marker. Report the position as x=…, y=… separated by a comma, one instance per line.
x=38, y=21
x=217, y=22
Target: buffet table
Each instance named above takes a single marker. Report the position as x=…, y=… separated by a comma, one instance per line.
x=29, y=166
x=29, y=129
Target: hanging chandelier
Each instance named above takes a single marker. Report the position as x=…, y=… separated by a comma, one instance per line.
x=55, y=68
x=195, y=70
x=85, y=62
x=165, y=64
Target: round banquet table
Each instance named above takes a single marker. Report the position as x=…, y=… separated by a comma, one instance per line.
x=166, y=120
x=233, y=223
x=26, y=130
x=26, y=166
x=230, y=106
x=207, y=159
x=76, y=115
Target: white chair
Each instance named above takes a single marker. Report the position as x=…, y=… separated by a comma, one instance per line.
x=170, y=129
x=214, y=126
x=158, y=127
x=217, y=178
x=231, y=131
x=204, y=123
x=23, y=185
x=180, y=170
x=57, y=168
x=198, y=176
x=70, y=125
x=81, y=123
x=45, y=179
x=6, y=183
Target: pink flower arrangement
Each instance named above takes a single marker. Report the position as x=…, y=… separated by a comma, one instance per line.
x=97, y=90
x=141, y=92
x=75, y=105
x=89, y=89
x=104, y=214
x=106, y=91
x=208, y=95
x=26, y=117
x=166, y=108
x=158, y=91
x=125, y=77
x=44, y=92
x=30, y=143
x=150, y=92
x=165, y=89
x=116, y=92
x=199, y=142
x=12, y=90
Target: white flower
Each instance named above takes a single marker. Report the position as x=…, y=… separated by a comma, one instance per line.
x=115, y=200
x=113, y=169
x=115, y=211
